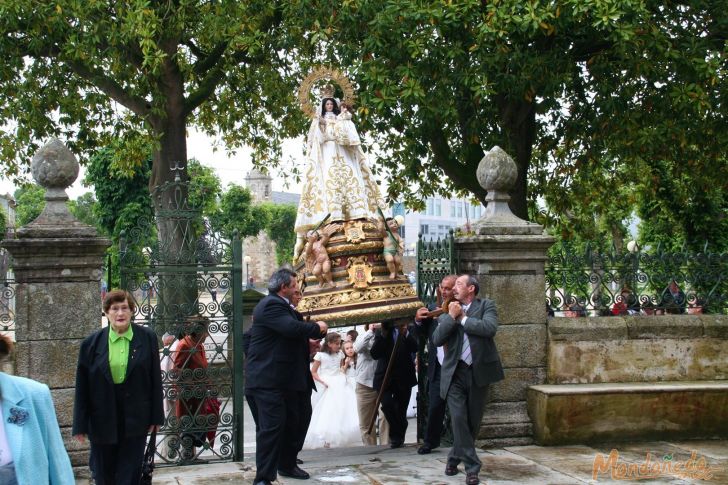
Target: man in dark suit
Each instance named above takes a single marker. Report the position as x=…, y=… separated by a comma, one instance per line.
x=305, y=396
x=471, y=364
x=278, y=378
x=397, y=389
x=435, y=356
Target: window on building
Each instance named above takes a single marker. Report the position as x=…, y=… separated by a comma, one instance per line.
x=459, y=211
x=452, y=208
x=438, y=207
x=424, y=229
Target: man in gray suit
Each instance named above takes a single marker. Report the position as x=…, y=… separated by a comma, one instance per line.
x=471, y=363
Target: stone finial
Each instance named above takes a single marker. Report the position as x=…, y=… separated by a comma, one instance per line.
x=55, y=168
x=497, y=173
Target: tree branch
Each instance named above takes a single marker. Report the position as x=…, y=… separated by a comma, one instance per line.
x=204, y=90
x=114, y=90
x=444, y=159
x=211, y=60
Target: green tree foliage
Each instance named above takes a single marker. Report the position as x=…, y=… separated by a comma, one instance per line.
x=142, y=72
x=30, y=201
x=3, y=223
x=236, y=212
x=123, y=198
x=84, y=208
x=281, y=220
x=205, y=187
x=683, y=213
x=564, y=87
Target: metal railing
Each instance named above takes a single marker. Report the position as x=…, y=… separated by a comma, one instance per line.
x=591, y=282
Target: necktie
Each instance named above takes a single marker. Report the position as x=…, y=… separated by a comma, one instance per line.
x=466, y=355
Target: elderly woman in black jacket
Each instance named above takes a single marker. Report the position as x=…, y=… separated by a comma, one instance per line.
x=118, y=393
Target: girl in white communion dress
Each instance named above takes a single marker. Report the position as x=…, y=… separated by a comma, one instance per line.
x=335, y=420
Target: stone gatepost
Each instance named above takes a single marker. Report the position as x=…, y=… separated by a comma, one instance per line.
x=508, y=254
x=57, y=262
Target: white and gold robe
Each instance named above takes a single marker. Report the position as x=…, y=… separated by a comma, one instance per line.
x=337, y=180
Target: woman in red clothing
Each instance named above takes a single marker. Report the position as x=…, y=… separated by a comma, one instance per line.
x=191, y=363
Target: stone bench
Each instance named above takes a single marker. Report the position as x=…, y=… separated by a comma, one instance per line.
x=583, y=413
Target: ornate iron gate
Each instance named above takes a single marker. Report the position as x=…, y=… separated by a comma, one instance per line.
x=435, y=260
x=184, y=274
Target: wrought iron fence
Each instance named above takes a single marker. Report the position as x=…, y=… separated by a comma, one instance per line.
x=7, y=306
x=186, y=279
x=590, y=282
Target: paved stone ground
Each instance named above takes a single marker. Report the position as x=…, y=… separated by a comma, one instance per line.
x=523, y=465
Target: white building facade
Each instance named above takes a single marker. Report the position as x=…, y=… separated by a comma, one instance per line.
x=440, y=215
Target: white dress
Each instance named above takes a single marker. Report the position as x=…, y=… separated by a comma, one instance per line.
x=337, y=179
x=335, y=420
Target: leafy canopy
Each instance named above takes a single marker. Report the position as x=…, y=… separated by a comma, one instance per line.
x=570, y=89
x=94, y=71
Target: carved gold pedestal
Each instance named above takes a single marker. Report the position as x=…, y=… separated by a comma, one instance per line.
x=363, y=291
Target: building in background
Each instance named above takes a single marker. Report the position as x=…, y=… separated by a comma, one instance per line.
x=440, y=215
x=260, y=249
x=7, y=202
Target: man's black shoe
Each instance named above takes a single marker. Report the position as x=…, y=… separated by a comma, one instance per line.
x=299, y=461
x=396, y=444
x=451, y=469
x=295, y=472
x=424, y=449
x=472, y=479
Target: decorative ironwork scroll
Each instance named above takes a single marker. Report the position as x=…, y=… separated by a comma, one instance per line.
x=186, y=278
x=590, y=282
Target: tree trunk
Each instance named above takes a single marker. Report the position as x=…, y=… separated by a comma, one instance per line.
x=176, y=286
x=518, y=119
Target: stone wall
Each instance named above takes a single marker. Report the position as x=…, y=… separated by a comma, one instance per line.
x=638, y=349
x=633, y=378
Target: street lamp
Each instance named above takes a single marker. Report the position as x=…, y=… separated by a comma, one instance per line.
x=634, y=248
x=247, y=270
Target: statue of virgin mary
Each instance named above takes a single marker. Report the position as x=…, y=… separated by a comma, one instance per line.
x=337, y=180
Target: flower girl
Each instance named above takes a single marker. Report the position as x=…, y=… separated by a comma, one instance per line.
x=335, y=420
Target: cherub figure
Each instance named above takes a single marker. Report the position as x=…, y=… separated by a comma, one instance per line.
x=317, y=257
x=393, y=245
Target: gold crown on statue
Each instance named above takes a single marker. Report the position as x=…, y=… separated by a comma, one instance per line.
x=327, y=91
x=308, y=87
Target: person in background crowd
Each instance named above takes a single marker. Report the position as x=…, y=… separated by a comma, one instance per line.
x=366, y=395
x=396, y=391
x=435, y=356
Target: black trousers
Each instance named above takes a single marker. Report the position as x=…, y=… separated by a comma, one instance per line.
x=395, y=400
x=279, y=425
x=304, y=418
x=118, y=463
x=435, y=410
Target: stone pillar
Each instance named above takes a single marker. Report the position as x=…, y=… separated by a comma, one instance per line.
x=57, y=262
x=508, y=254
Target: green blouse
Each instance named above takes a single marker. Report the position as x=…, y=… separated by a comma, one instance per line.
x=119, y=353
